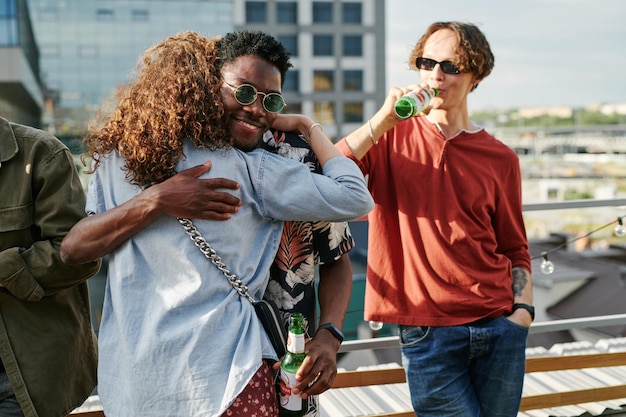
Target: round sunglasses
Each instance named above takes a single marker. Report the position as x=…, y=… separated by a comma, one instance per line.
x=246, y=94
x=428, y=64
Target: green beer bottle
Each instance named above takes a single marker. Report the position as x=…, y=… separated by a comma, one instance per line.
x=292, y=405
x=413, y=103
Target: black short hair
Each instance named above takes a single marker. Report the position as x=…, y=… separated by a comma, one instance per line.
x=256, y=43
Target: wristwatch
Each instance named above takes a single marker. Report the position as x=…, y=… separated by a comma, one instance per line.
x=526, y=307
x=334, y=330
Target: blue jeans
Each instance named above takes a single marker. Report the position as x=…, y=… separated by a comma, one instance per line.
x=9, y=407
x=472, y=370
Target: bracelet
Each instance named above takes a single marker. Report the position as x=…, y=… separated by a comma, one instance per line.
x=374, y=140
x=311, y=129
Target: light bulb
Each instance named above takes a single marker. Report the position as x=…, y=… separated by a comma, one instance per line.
x=376, y=325
x=620, y=230
x=547, y=267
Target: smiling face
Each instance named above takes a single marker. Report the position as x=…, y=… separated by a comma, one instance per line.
x=249, y=122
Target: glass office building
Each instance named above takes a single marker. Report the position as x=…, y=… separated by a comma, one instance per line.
x=89, y=47
x=338, y=52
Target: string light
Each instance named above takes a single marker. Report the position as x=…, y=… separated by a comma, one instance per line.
x=547, y=267
x=620, y=230
x=376, y=325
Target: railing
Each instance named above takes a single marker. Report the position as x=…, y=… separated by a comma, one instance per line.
x=375, y=377
x=574, y=204
x=542, y=327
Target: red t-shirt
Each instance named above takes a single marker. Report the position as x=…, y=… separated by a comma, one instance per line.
x=446, y=228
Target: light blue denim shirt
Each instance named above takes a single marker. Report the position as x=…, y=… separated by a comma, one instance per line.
x=175, y=338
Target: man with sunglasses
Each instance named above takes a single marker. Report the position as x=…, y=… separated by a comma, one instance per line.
x=304, y=244
x=448, y=255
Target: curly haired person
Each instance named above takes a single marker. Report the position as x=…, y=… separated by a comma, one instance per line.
x=448, y=257
x=175, y=338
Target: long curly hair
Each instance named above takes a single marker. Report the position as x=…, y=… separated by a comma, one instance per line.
x=175, y=95
x=473, y=51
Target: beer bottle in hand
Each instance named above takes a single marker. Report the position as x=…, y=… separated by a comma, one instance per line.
x=412, y=104
x=292, y=405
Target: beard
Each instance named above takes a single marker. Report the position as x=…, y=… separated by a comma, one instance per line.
x=248, y=146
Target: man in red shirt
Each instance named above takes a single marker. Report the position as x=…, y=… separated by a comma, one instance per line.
x=448, y=255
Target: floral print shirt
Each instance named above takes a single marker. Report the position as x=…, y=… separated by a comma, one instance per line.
x=303, y=244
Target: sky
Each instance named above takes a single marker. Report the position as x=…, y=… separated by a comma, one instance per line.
x=547, y=52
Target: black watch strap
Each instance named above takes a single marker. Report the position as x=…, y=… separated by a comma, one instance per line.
x=526, y=307
x=332, y=329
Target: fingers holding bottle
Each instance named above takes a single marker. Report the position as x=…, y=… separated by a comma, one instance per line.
x=415, y=102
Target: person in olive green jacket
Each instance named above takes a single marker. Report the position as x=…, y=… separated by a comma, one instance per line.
x=47, y=343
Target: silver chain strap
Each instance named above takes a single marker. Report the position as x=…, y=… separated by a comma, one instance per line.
x=198, y=240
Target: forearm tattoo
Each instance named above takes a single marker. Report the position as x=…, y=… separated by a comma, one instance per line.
x=520, y=279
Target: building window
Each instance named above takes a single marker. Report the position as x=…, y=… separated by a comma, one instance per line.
x=49, y=50
x=8, y=8
x=287, y=12
x=104, y=15
x=256, y=12
x=88, y=51
x=322, y=12
x=353, y=80
x=140, y=15
x=352, y=45
x=352, y=12
x=292, y=81
x=323, y=80
x=322, y=45
x=353, y=112
x=290, y=42
x=8, y=32
x=293, y=108
x=48, y=14
x=324, y=112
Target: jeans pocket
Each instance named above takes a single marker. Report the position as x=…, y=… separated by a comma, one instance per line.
x=412, y=335
x=513, y=324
